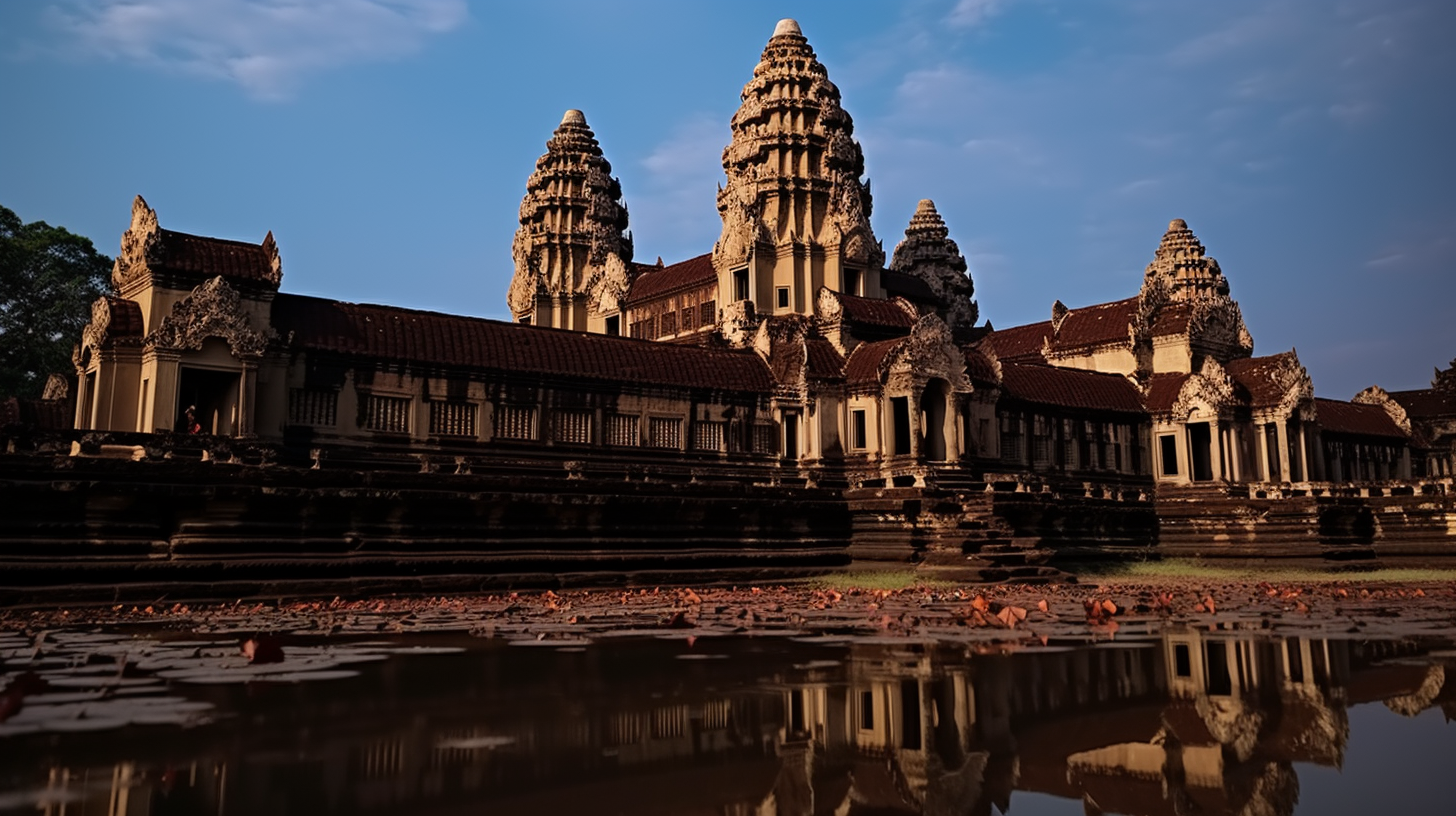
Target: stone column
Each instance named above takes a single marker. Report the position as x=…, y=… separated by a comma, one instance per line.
x=1216, y=448
x=1281, y=449
x=1303, y=455
x=247, y=399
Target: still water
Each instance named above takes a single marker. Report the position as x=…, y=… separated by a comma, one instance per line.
x=1189, y=722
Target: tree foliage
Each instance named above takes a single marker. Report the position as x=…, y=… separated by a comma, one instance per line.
x=48, y=279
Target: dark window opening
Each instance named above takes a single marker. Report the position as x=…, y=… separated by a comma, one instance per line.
x=910, y=715
x=791, y=436
x=796, y=712
x=614, y=325
x=1182, y=660
x=1215, y=661
x=861, y=434
x=1200, y=449
x=783, y=297
x=740, y=284
x=866, y=709
x=900, y=411
x=213, y=395
x=1168, y=455
x=853, y=280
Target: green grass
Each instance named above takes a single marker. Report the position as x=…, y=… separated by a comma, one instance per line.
x=876, y=579
x=1187, y=568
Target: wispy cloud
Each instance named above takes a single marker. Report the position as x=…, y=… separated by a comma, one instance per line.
x=675, y=209
x=971, y=13
x=268, y=47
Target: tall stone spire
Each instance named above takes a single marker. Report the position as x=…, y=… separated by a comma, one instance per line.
x=795, y=213
x=929, y=254
x=571, y=251
x=1180, y=267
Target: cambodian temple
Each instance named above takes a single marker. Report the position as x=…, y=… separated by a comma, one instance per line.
x=795, y=351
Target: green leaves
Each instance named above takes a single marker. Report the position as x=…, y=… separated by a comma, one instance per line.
x=48, y=279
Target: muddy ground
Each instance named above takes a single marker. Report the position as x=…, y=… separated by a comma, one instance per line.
x=976, y=614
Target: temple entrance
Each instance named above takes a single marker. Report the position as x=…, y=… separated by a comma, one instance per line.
x=214, y=394
x=1200, y=445
x=932, y=414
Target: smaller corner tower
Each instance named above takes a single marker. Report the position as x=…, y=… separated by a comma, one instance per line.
x=929, y=254
x=572, y=250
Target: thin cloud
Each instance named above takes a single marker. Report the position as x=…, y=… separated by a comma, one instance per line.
x=675, y=208
x=268, y=47
x=971, y=13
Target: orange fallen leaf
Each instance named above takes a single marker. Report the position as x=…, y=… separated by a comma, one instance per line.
x=1209, y=605
x=1043, y=605
x=1011, y=615
x=980, y=604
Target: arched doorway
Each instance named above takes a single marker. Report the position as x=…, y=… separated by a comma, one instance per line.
x=933, y=403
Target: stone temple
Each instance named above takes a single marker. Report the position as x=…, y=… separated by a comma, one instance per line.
x=794, y=353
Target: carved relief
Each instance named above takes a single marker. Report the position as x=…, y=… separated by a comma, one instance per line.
x=1181, y=265
x=1375, y=395
x=137, y=244
x=1211, y=388
x=928, y=353
x=792, y=140
x=212, y=310
x=572, y=240
x=929, y=254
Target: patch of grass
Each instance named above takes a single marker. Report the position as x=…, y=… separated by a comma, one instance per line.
x=1193, y=569
x=877, y=579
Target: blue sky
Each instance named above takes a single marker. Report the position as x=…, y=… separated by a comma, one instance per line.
x=386, y=143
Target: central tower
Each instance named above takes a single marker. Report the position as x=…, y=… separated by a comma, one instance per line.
x=795, y=213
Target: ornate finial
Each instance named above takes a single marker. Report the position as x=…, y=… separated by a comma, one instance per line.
x=787, y=26
x=574, y=117
x=925, y=206
x=1177, y=225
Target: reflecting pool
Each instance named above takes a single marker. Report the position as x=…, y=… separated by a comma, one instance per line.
x=1187, y=722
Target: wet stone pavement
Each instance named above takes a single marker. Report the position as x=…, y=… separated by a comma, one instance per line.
x=1219, y=699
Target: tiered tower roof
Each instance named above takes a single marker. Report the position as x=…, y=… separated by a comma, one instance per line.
x=793, y=166
x=1180, y=265
x=572, y=244
x=928, y=253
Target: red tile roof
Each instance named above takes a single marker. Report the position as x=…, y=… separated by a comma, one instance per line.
x=126, y=318
x=1020, y=342
x=1070, y=388
x=825, y=361
x=1163, y=390
x=863, y=365
x=876, y=312
x=1259, y=376
x=979, y=367
x=1425, y=403
x=652, y=281
x=1096, y=325
x=1173, y=318
x=200, y=255
x=430, y=338
x=1355, y=418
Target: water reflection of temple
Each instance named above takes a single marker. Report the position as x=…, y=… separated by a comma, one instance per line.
x=1194, y=722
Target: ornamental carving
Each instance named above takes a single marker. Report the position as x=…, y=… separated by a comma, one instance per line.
x=928, y=353
x=212, y=310
x=1375, y=395
x=792, y=155
x=1180, y=264
x=1211, y=388
x=572, y=241
x=137, y=244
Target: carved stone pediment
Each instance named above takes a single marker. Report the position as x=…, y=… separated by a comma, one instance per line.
x=928, y=353
x=1375, y=395
x=212, y=310
x=1211, y=388
x=137, y=244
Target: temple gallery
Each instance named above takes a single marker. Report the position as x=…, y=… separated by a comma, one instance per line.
x=849, y=400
